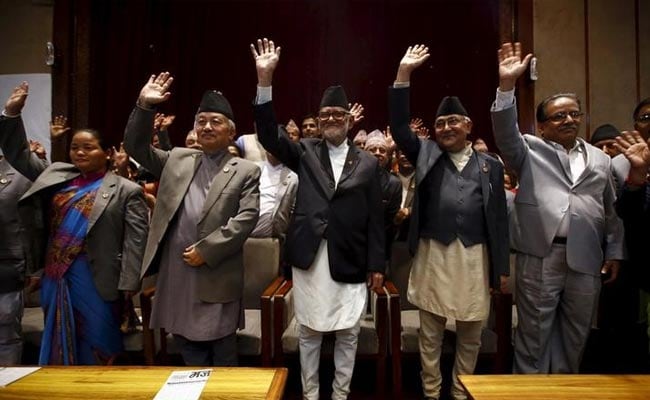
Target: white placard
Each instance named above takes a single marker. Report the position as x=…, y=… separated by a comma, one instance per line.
x=12, y=374
x=184, y=385
x=38, y=109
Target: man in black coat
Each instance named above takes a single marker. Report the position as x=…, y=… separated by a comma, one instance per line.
x=335, y=241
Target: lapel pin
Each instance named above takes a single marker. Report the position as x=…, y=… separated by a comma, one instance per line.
x=485, y=168
x=3, y=181
x=104, y=195
x=226, y=169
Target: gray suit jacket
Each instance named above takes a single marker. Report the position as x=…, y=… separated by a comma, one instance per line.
x=117, y=225
x=282, y=213
x=546, y=192
x=12, y=251
x=229, y=214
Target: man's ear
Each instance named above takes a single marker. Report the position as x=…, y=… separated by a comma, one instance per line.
x=470, y=124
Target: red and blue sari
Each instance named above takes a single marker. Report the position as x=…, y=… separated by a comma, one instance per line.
x=80, y=327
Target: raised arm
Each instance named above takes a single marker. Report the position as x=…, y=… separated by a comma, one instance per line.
x=399, y=102
x=137, y=135
x=504, y=111
x=273, y=137
x=13, y=140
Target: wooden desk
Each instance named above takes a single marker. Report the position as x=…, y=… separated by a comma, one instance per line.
x=557, y=387
x=136, y=383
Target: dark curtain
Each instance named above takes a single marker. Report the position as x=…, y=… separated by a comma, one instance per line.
x=357, y=44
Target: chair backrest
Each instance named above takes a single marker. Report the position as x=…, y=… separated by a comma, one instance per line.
x=400, y=268
x=261, y=266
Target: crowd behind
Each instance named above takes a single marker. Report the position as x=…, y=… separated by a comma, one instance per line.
x=568, y=218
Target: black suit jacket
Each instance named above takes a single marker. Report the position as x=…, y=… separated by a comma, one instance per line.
x=424, y=154
x=350, y=217
x=633, y=206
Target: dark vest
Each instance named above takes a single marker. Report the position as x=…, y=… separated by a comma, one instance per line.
x=451, y=203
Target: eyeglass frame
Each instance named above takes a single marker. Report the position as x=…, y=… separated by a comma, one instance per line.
x=561, y=116
x=332, y=115
x=441, y=123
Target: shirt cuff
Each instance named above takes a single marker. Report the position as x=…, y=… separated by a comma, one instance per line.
x=4, y=114
x=398, y=85
x=504, y=99
x=264, y=94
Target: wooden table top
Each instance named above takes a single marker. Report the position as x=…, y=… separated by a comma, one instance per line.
x=135, y=383
x=556, y=387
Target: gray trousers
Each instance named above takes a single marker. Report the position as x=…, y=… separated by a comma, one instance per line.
x=11, y=315
x=555, y=308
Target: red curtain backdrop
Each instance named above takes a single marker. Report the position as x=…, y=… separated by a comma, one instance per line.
x=357, y=44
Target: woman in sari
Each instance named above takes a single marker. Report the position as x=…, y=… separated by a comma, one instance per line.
x=86, y=230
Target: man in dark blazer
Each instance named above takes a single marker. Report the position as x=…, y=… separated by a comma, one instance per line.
x=564, y=226
x=336, y=239
x=458, y=229
x=208, y=203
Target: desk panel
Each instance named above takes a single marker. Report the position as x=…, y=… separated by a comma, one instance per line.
x=140, y=383
x=555, y=387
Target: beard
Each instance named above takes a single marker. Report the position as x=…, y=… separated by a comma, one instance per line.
x=335, y=134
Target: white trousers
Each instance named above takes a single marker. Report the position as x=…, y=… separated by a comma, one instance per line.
x=345, y=350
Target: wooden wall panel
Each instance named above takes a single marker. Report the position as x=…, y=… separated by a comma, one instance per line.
x=644, y=47
x=612, y=63
x=559, y=31
x=24, y=29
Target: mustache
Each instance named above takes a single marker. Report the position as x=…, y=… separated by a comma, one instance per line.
x=567, y=127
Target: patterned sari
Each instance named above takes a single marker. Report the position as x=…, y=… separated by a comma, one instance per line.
x=80, y=327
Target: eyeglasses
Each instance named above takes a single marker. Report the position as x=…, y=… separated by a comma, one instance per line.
x=451, y=121
x=337, y=115
x=561, y=116
x=645, y=118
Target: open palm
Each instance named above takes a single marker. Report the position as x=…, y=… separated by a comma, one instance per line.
x=414, y=57
x=266, y=55
x=511, y=65
x=156, y=89
x=639, y=155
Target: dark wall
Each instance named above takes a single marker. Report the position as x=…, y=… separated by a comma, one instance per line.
x=358, y=44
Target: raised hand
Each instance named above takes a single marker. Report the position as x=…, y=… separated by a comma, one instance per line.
x=511, y=66
x=415, y=124
x=266, y=58
x=58, y=127
x=413, y=58
x=636, y=150
x=157, y=121
x=16, y=100
x=156, y=90
x=356, y=110
x=167, y=120
x=120, y=159
x=37, y=148
x=423, y=132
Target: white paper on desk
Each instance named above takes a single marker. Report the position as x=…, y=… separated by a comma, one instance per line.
x=12, y=374
x=184, y=385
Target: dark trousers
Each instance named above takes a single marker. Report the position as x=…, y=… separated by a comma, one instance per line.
x=219, y=353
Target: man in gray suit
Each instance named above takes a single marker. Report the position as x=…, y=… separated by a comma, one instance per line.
x=563, y=227
x=12, y=263
x=208, y=203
